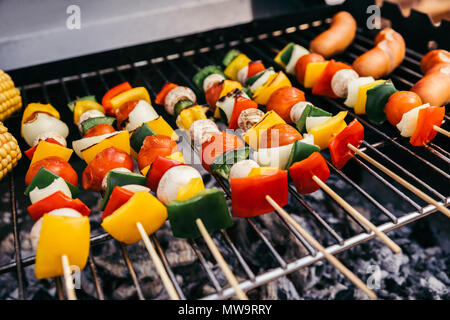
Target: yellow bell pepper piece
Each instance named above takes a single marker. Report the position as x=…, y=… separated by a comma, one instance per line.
x=327, y=130
x=262, y=171
x=188, y=115
x=228, y=86
x=61, y=235
x=313, y=72
x=46, y=149
x=138, y=93
x=161, y=127
x=142, y=207
x=144, y=170
x=237, y=64
x=39, y=107
x=275, y=81
x=85, y=105
x=177, y=156
x=251, y=136
x=278, y=60
x=360, y=106
x=189, y=190
x=120, y=141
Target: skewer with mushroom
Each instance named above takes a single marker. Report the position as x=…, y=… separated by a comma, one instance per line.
x=60, y=235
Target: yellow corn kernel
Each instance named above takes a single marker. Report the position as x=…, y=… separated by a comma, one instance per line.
x=10, y=152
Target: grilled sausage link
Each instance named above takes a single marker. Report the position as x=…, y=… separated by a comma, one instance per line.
x=387, y=55
x=337, y=38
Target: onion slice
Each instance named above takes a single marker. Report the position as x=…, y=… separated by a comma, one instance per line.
x=142, y=112
x=311, y=122
x=58, y=184
x=242, y=168
x=408, y=124
x=80, y=145
x=42, y=123
x=352, y=89
x=277, y=157
x=297, y=52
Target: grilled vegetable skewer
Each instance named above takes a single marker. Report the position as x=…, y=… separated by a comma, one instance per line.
x=177, y=185
x=61, y=233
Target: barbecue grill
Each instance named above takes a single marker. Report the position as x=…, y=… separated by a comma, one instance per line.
x=177, y=60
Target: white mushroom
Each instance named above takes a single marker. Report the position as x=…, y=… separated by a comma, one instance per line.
x=47, y=135
x=93, y=113
x=242, y=168
x=172, y=180
x=201, y=130
x=249, y=117
x=297, y=110
x=178, y=94
x=340, y=80
x=211, y=79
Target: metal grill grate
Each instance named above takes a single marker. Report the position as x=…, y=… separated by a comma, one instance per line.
x=423, y=167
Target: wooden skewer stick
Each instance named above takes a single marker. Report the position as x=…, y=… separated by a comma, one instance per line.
x=220, y=260
x=440, y=130
x=358, y=216
x=402, y=181
x=332, y=259
x=68, y=280
x=158, y=264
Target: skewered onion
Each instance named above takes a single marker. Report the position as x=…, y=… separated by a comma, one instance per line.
x=57, y=185
x=142, y=112
x=80, y=145
x=46, y=135
x=408, y=124
x=42, y=123
x=311, y=122
x=352, y=88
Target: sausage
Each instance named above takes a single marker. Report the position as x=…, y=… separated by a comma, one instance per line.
x=434, y=87
x=337, y=38
x=387, y=55
x=433, y=58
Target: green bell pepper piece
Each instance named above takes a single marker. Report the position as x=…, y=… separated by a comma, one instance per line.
x=208, y=205
x=92, y=122
x=287, y=53
x=253, y=79
x=200, y=76
x=139, y=135
x=300, y=151
x=180, y=105
x=377, y=97
x=247, y=92
x=230, y=56
x=223, y=163
x=44, y=178
x=71, y=104
x=120, y=179
x=310, y=111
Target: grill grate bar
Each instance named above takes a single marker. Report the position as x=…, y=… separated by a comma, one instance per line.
x=132, y=272
x=385, y=211
x=205, y=266
x=168, y=268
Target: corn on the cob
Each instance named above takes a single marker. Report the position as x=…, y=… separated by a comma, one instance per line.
x=9, y=151
x=10, y=99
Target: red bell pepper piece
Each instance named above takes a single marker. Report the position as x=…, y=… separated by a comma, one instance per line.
x=302, y=172
x=54, y=201
x=255, y=67
x=426, y=119
x=323, y=84
x=117, y=199
x=240, y=104
x=30, y=152
x=249, y=194
x=213, y=93
x=219, y=143
x=340, y=152
x=111, y=93
x=157, y=170
x=161, y=96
